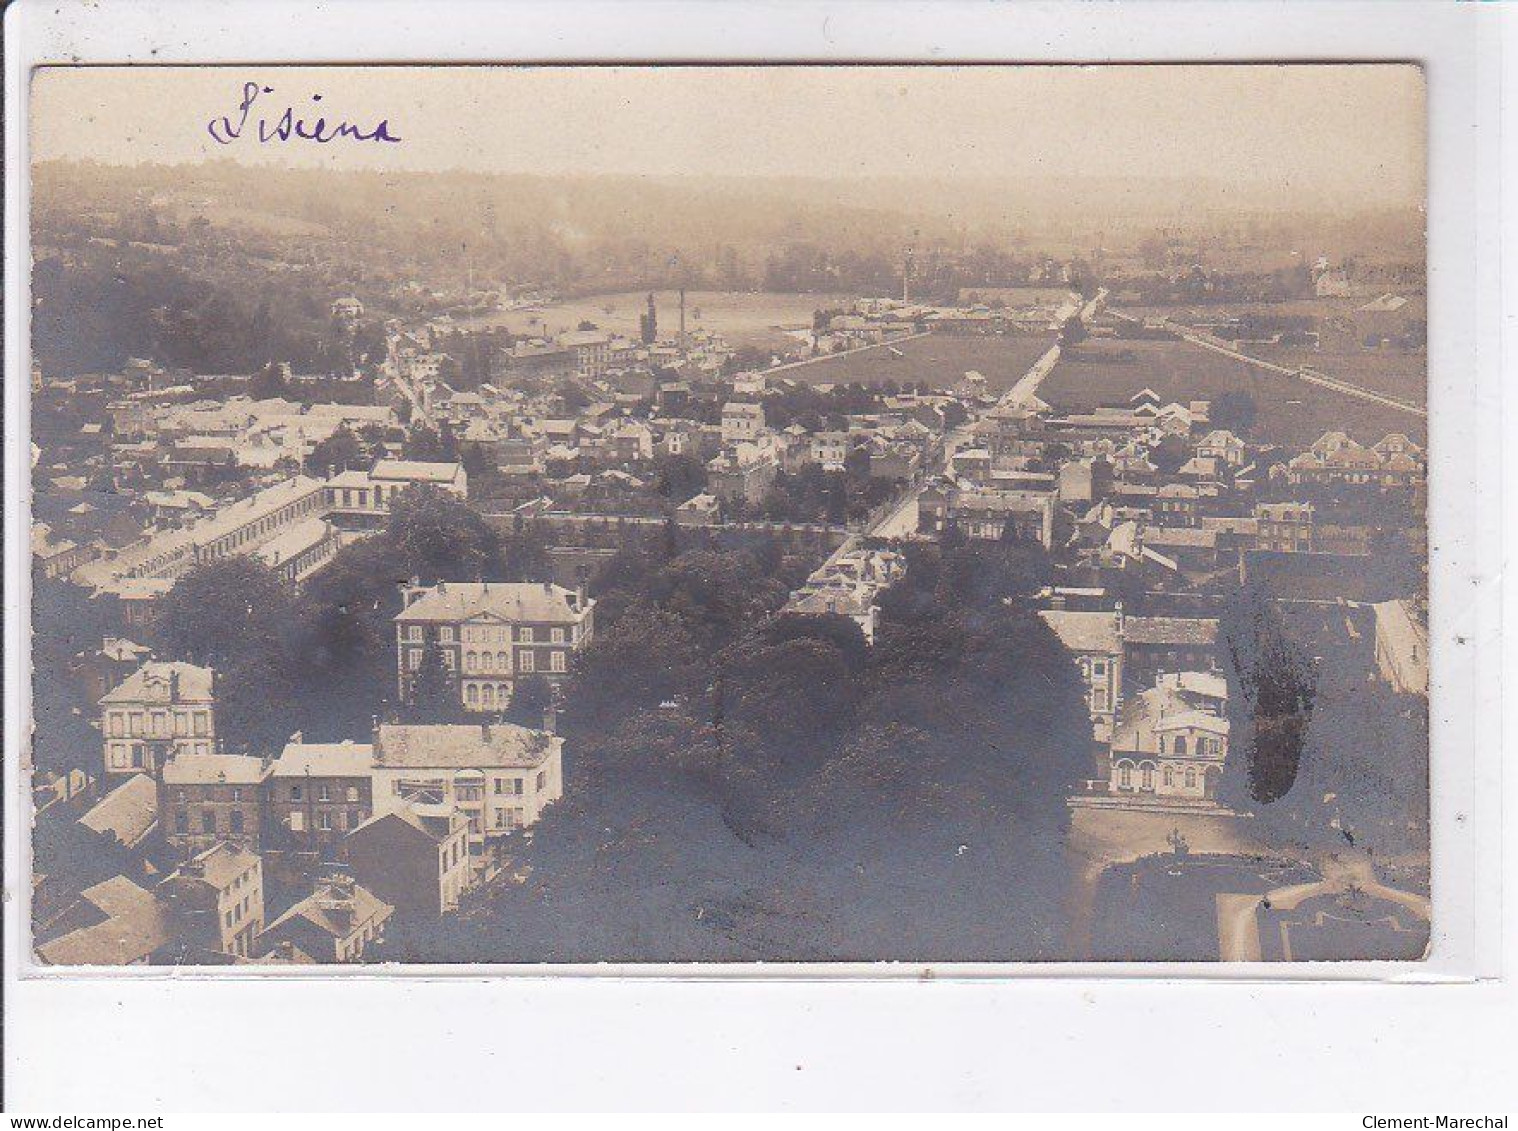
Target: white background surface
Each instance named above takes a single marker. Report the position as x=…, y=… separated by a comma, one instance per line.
x=159, y=1043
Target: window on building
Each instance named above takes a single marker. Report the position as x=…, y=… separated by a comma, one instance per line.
x=352, y=793
x=556, y=635
x=524, y=634
x=117, y=729
x=208, y=822
x=236, y=819
x=542, y=778
x=202, y=724
x=1190, y=777
x=1180, y=744
x=324, y=820
x=487, y=696
x=1148, y=776
x=236, y=793
x=1125, y=776
x=1168, y=777
x=445, y=634
x=181, y=822
x=414, y=659
x=525, y=662
x=414, y=633
x=556, y=662
x=472, y=694
x=471, y=661
x=295, y=793
x=324, y=792
x=502, y=662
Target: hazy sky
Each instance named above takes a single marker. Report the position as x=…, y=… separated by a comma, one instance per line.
x=1357, y=128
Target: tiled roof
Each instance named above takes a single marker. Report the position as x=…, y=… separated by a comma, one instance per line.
x=415, y=470
x=134, y=926
x=516, y=602
x=128, y=812
x=213, y=769
x=324, y=760
x=194, y=683
x=293, y=540
x=461, y=746
x=1170, y=630
x=220, y=864
x=1084, y=631
x=366, y=907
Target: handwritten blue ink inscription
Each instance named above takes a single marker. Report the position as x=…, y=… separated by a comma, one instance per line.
x=289, y=126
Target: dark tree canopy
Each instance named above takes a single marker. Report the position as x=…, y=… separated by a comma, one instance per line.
x=1169, y=454
x=435, y=694
x=337, y=452
x=218, y=612
x=238, y=618
x=1234, y=410
x=441, y=537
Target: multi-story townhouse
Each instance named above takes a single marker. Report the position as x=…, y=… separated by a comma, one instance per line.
x=415, y=859
x=314, y=793
x=741, y=420
x=206, y=799
x=216, y=899
x=363, y=498
x=1116, y=652
x=1284, y=527
x=498, y=776
x=160, y=710
x=1171, y=740
x=490, y=634
x=337, y=922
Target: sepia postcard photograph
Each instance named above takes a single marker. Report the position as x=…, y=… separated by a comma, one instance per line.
x=802, y=514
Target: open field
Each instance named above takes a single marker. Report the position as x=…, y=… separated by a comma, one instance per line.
x=938, y=359
x=1196, y=314
x=1396, y=374
x=1053, y=297
x=764, y=321
x=1291, y=412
